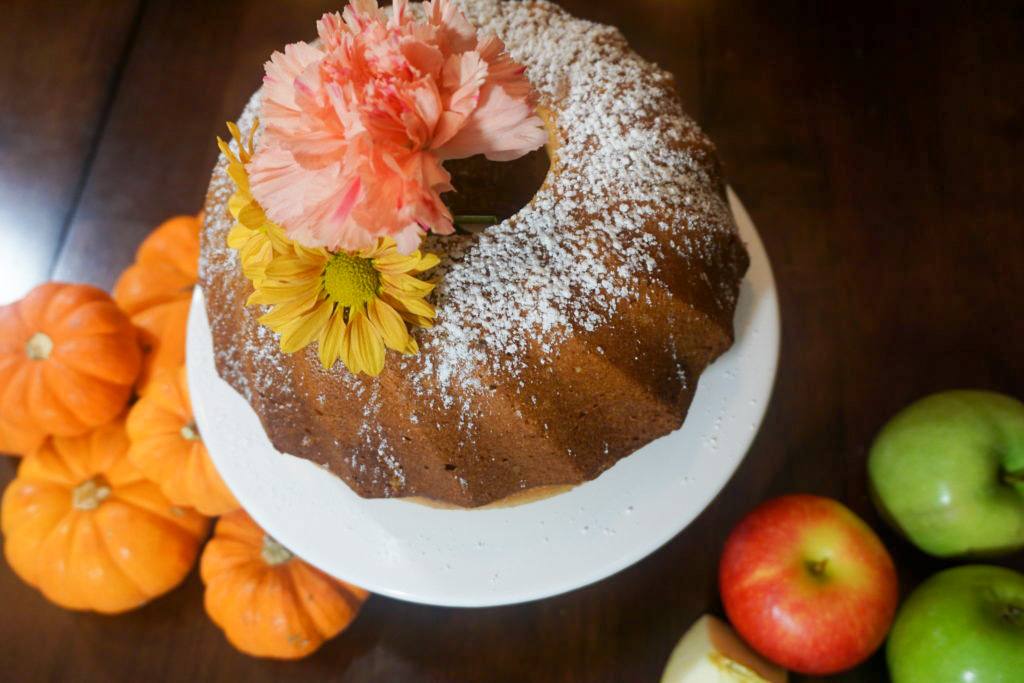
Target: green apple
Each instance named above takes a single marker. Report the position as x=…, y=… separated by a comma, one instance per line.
x=948, y=472
x=962, y=624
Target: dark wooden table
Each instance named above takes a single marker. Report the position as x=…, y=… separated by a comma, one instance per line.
x=878, y=151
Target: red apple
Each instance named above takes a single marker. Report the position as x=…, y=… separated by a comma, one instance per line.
x=808, y=584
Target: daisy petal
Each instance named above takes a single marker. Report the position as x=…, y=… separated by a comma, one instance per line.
x=408, y=304
x=407, y=283
x=329, y=343
x=238, y=236
x=299, y=332
x=427, y=261
x=366, y=345
x=388, y=324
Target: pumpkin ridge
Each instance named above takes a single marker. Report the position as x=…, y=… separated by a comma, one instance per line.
x=13, y=521
x=48, y=466
x=33, y=308
x=115, y=557
x=107, y=447
x=189, y=470
x=153, y=516
x=13, y=331
x=162, y=332
x=353, y=596
x=165, y=397
x=232, y=601
x=228, y=555
x=9, y=349
x=9, y=360
x=218, y=487
x=15, y=387
x=85, y=405
x=299, y=593
x=238, y=528
x=295, y=594
x=51, y=478
x=123, y=473
x=215, y=495
x=70, y=581
x=72, y=355
x=173, y=535
x=59, y=535
x=152, y=453
x=42, y=395
x=61, y=358
x=72, y=454
x=65, y=303
x=99, y=316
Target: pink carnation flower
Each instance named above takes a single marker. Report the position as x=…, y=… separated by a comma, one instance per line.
x=357, y=127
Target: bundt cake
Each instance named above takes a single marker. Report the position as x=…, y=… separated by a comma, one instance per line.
x=567, y=336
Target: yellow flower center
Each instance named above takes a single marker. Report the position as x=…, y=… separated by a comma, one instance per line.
x=351, y=280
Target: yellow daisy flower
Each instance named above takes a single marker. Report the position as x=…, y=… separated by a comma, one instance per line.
x=354, y=305
x=253, y=236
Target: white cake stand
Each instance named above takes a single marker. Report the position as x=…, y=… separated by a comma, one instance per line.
x=499, y=556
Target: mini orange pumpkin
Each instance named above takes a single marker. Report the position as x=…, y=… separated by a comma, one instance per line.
x=68, y=360
x=269, y=602
x=166, y=266
x=162, y=337
x=165, y=445
x=85, y=527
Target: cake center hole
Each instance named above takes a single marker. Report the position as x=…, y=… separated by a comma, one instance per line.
x=494, y=188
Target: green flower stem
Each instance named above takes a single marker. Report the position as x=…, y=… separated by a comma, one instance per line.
x=476, y=220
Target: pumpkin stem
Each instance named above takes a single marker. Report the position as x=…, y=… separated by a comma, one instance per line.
x=39, y=346
x=90, y=493
x=190, y=431
x=274, y=553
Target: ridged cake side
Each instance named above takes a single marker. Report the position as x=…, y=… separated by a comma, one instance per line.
x=567, y=336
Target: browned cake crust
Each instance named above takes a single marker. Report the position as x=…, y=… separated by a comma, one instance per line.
x=568, y=336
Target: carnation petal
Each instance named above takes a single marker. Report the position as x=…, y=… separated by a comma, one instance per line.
x=282, y=69
x=463, y=77
x=427, y=59
x=455, y=32
x=502, y=128
x=502, y=70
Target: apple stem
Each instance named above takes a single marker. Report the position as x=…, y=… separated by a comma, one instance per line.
x=1014, y=615
x=1014, y=476
x=818, y=567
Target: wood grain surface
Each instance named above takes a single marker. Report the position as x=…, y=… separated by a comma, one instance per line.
x=877, y=149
